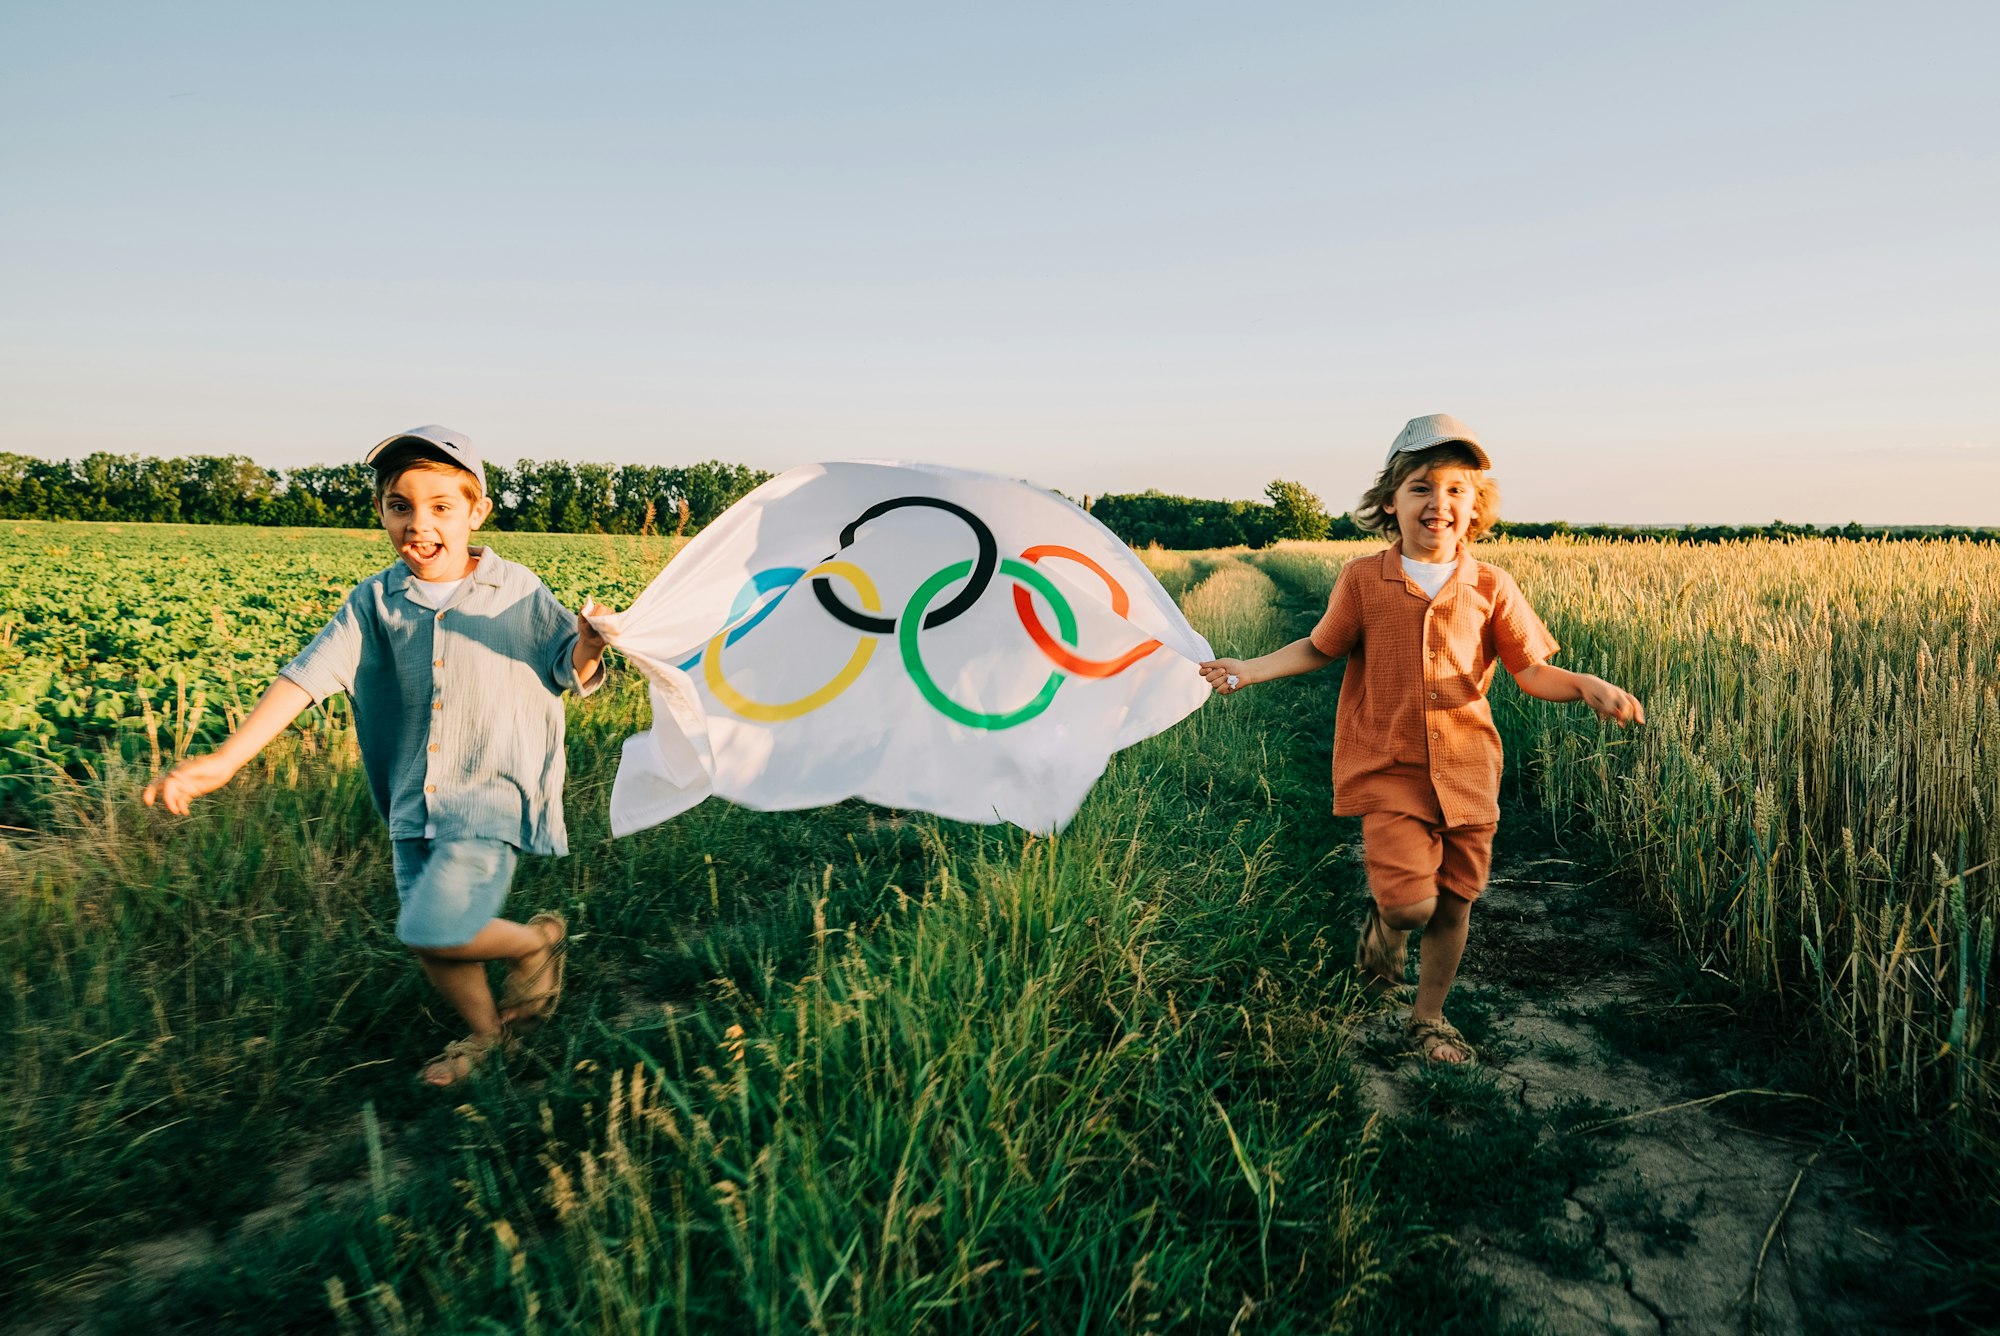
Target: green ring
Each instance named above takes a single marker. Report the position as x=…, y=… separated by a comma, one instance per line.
x=911, y=623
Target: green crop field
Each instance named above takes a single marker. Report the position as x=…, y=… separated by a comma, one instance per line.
x=157, y=636
x=861, y=1070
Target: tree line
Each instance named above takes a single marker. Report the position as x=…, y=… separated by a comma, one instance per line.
x=549, y=497
x=557, y=496
x=1290, y=511
x=554, y=496
x=1287, y=511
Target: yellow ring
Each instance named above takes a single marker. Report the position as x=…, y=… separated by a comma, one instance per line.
x=711, y=661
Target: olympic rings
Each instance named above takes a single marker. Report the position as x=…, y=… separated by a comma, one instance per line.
x=864, y=649
x=763, y=591
x=1060, y=654
x=982, y=570
x=913, y=660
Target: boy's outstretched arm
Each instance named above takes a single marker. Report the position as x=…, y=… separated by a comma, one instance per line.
x=283, y=702
x=588, y=655
x=1231, y=675
x=1613, y=704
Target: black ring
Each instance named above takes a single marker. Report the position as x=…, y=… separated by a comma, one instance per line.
x=983, y=567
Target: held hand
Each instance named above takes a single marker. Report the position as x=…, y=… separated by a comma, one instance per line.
x=587, y=657
x=1613, y=704
x=187, y=781
x=587, y=637
x=1226, y=676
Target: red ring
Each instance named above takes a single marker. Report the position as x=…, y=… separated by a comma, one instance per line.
x=1060, y=654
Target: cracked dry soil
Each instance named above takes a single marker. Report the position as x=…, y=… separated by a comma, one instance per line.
x=1700, y=1222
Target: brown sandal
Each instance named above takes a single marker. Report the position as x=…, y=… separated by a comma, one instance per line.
x=1430, y=1036
x=461, y=1058
x=542, y=989
x=1381, y=971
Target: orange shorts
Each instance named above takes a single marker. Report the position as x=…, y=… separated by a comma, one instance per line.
x=1410, y=858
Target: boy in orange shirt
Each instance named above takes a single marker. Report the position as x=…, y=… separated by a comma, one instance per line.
x=1415, y=754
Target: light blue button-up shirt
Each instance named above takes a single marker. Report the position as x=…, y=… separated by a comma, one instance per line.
x=458, y=709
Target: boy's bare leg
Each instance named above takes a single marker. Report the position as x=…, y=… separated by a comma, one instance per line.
x=459, y=972
x=1444, y=948
x=1391, y=932
x=463, y=984
x=1398, y=920
x=524, y=967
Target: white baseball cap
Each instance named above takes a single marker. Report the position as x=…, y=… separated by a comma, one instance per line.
x=455, y=446
x=1436, y=429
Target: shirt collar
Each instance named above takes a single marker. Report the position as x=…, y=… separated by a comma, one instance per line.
x=1392, y=568
x=486, y=571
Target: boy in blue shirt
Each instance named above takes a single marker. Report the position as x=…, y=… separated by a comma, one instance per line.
x=455, y=662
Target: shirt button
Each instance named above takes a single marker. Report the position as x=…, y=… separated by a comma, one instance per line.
x=440, y=616
x=437, y=705
x=434, y=746
x=430, y=788
x=1436, y=736
x=1434, y=695
x=437, y=663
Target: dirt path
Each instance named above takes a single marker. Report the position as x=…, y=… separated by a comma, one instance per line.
x=1685, y=1217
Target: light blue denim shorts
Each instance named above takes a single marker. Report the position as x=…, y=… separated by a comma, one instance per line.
x=450, y=888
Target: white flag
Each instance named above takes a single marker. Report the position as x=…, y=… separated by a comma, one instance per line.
x=921, y=637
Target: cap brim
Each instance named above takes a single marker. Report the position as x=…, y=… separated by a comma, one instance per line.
x=383, y=447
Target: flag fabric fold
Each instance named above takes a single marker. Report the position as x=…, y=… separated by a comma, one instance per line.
x=922, y=637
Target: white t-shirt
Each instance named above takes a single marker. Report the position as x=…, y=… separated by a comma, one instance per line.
x=1429, y=575
x=439, y=592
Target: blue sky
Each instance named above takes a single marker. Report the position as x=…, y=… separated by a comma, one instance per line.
x=1701, y=262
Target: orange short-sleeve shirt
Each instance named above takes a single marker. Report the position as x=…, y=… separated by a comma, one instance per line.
x=1414, y=733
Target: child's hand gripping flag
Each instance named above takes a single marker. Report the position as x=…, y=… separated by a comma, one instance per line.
x=921, y=637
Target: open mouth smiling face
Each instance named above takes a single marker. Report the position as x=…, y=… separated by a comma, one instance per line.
x=1434, y=510
x=430, y=523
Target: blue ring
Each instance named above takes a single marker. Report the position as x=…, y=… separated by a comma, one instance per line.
x=758, y=585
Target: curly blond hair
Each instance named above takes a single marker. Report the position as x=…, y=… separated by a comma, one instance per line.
x=1370, y=516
